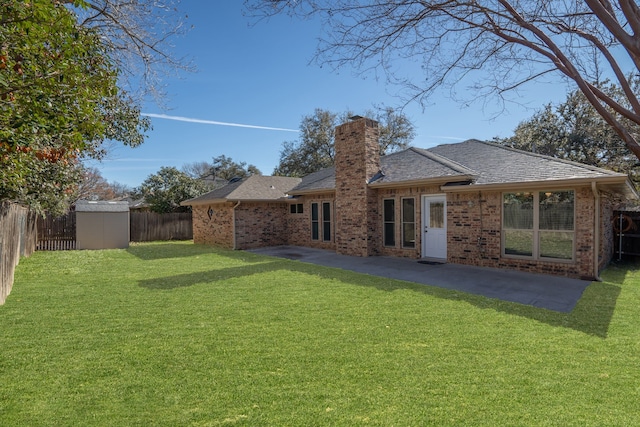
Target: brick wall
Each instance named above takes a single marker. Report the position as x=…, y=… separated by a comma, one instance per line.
x=473, y=228
x=261, y=224
x=217, y=230
x=357, y=159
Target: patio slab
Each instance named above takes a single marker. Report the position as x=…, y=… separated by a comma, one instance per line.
x=544, y=291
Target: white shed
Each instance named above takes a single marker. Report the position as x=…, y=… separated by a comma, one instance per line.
x=102, y=225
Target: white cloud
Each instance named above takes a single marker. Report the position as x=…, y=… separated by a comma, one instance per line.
x=213, y=122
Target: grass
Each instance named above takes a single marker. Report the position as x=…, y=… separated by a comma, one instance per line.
x=176, y=334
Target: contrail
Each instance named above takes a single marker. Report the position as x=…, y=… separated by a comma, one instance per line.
x=213, y=122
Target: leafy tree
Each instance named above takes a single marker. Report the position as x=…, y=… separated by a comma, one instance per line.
x=59, y=101
x=315, y=149
x=165, y=190
x=73, y=74
x=224, y=167
x=511, y=42
x=573, y=130
x=219, y=172
x=221, y=169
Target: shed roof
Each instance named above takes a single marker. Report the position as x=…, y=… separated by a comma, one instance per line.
x=101, y=206
x=252, y=188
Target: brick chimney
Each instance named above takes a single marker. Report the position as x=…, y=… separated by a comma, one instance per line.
x=357, y=159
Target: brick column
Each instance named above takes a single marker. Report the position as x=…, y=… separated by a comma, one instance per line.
x=357, y=159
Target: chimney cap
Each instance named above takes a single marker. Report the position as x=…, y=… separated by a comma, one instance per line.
x=356, y=117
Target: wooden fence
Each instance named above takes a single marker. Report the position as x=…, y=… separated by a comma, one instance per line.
x=57, y=233
x=17, y=239
x=626, y=227
x=151, y=226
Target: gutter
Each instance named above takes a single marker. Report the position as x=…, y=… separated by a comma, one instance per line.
x=235, y=245
x=596, y=231
x=546, y=184
x=443, y=180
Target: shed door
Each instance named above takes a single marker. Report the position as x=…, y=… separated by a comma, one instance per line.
x=434, y=227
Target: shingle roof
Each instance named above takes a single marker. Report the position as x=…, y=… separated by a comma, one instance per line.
x=472, y=161
x=413, y=164
x=254, y=188
x=416, y=164
x=322, y=180
x=497, y=164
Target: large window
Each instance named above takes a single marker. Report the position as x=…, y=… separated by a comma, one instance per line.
x=389, y=219
x=409, y=223
x=321, y=221
x=539, y=224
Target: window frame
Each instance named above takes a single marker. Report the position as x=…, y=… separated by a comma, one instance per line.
x=537, y=231
x=326, y=222
x=296, y=208
x=321, y=217
x=389, y=223
x=315, y=221
x=408, y=244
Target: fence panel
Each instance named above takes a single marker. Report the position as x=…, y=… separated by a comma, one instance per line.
x=57, y=233
x=626, y=226
x=151, y=226
x=17, y=238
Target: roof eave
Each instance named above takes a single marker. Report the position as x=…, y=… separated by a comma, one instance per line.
x=196, y=202
x=428, y=181
x=620, y=182
x=312, y=192
x=216, y=201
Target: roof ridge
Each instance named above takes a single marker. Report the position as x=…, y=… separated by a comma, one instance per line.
x=445, y=161
x=543, y=156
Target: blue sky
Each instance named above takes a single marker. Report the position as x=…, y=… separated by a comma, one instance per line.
x=260, y=75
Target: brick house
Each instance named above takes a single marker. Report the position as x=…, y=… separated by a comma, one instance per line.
x=474, y=202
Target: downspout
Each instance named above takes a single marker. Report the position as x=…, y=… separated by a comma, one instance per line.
x=235, y=246
x=596, y=232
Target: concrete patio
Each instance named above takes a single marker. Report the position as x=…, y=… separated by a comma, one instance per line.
x=543, y=291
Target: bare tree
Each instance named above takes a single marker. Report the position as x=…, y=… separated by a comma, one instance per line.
x=513, y=42
x=93, y=186
x=139, y=36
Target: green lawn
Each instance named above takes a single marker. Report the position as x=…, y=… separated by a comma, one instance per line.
x=176, y=334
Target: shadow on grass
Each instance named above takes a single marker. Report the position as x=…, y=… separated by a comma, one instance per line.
x=591, y=315
x=181, y=249
x=202, y=277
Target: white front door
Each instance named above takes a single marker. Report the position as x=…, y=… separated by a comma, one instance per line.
x=434, y=226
